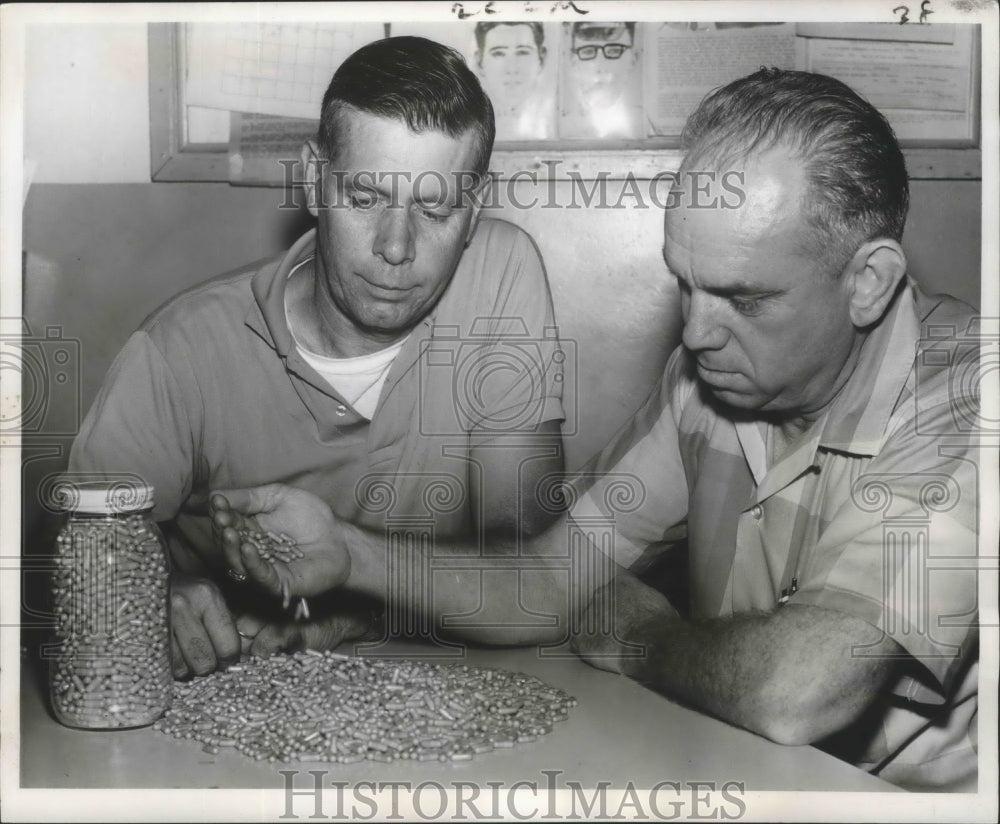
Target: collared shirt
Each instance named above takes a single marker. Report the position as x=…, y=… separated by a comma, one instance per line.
x=212, y=393
x=873, y=513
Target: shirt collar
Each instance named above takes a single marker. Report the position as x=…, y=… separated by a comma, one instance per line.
x=857, y=419
x=267, y=315
x=856, y=422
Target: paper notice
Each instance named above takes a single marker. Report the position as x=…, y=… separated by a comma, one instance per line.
x=897, y=75
x=923, y=89
x=266, y=68
x=685, y=61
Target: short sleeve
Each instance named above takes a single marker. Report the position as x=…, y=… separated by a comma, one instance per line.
x=509, y=369
x=637, y=482
x=139, y=425
x=900, y=553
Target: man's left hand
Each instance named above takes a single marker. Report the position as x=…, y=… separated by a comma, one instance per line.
x=264, y=639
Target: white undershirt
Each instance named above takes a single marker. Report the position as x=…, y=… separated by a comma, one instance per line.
x=357, y=380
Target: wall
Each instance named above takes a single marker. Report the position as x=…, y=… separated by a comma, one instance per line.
x=104, y=246
x=86, y=93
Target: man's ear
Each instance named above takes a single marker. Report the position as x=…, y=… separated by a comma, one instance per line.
x=312, y=183
x=873, y=274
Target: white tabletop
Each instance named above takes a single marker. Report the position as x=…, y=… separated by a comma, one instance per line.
x=620, y=732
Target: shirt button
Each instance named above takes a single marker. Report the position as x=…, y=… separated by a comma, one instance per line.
x=341, y=410
x=757, y=512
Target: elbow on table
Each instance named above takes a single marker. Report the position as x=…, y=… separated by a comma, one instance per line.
x=510, y=636
x=804, y=720
x=789, y=732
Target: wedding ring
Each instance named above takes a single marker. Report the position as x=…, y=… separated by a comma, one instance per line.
x=239, y=577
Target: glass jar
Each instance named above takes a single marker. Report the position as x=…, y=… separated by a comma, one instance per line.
x=110, y=661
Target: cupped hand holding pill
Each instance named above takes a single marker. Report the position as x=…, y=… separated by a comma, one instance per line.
x=283, y=538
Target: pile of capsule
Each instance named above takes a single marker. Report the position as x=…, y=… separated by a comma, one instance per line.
x=314, y=706
x=111, y=665
x=271, y=546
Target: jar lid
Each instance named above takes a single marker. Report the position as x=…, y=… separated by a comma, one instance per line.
x=103, y=497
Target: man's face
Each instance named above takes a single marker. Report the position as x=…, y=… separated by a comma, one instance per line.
x=396, y=226
x=510, y=59
x=765, y=319
x=602, y=79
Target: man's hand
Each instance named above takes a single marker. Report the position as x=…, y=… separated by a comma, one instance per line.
x=203, y=637
x=325, y=561
x=326, y=633
x=608, y=633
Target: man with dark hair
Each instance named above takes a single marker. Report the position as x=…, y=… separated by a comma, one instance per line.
x=510, y=57
x=364, y=358
x=535, y=30
x=603, y=80
x=811, y=440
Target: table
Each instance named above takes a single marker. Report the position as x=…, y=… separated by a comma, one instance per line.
x=619, y=732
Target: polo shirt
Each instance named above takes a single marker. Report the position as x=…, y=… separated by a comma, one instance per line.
x=872, y=513
x=211, y=392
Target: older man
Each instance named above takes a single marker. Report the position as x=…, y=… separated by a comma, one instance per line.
x=814, y=414
x=374, y=354
x=811, y=439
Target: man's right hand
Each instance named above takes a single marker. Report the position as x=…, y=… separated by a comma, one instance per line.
x=203, y=635
x=325, y=562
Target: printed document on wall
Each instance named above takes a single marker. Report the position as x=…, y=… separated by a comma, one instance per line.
x=685, y=61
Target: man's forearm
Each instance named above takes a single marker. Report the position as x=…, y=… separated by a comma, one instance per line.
x=792, y=675
x=496, y=592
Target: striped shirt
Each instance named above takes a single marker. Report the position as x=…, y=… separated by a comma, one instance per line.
x=872, y=513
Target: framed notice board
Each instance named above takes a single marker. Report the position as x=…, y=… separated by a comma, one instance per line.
x=234, y=101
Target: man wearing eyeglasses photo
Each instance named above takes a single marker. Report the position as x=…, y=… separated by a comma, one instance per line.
x=603, y=83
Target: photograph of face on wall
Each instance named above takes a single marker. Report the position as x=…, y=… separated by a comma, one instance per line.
x=601, y=81
x=515, y=61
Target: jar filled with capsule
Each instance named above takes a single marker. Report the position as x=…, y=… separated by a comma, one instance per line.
x=109, y=662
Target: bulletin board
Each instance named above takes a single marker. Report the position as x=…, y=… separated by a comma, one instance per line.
x=235, y=101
